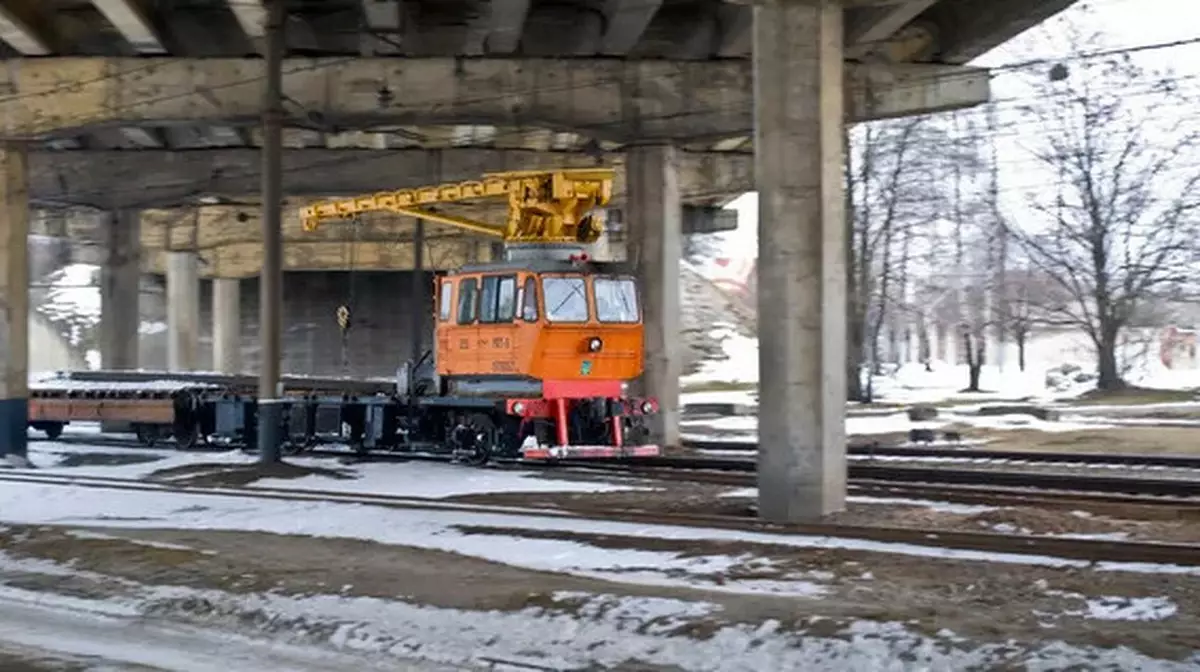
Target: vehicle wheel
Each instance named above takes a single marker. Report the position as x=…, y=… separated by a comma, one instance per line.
x=147, y=435
x=53, y=430
x=354, y=438
x=187, y=438
x=474, y=440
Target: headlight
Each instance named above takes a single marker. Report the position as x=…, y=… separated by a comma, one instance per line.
x=647, y=407
x=594, y=344
x=519, y=408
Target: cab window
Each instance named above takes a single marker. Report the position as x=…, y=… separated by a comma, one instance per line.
x=506, y=299
x=529, y=307
x=616, y=300
x=565, y=299
x=466, y=301
x=497, y=299
x=446, y=301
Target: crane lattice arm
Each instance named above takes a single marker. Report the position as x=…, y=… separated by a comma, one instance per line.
x=560, y=206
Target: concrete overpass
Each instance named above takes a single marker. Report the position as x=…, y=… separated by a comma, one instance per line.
x=125, y=105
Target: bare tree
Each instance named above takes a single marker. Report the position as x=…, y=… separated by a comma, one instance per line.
x=1121, y=225
x=1020, y=298
x=887, y=195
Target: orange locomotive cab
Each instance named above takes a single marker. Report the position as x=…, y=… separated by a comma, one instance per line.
x=554, y=342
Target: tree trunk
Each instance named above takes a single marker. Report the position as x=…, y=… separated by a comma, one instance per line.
x=1110, y=375
x=974, y=353
x=1020, y=338
x=854, y=357
x=855, y=327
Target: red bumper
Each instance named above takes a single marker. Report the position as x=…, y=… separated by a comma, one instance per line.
x=548, y=453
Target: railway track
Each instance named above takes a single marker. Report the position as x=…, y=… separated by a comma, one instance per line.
x=916, y=453
x=741, y=473
x=1087, y=550
x=987, y=495
x=1098, y=459
x=1080, y=483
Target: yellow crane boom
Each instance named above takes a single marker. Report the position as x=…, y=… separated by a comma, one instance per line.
x=557, y=206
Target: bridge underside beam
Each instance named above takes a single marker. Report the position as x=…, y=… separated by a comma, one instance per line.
x=154, y=178
x=619, y=100
x=227, y=242
x=227, y=239
x=244, y=260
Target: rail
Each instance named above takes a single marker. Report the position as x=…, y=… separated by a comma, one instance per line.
x=1123, y=459
x=1081, y=550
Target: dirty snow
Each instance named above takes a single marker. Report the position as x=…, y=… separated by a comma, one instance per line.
x=431, y=479
x=1130, y=608
x=113, y=635
x=32, y=503
x=1112, y=607
x=409, y=479
x=89, y=534
x=574, y=630
x=932, y=505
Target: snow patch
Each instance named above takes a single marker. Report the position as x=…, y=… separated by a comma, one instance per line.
x=1130, y=608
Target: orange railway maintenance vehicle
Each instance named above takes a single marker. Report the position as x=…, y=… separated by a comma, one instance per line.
x=533, y=352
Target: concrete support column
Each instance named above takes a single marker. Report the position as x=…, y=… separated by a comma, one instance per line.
x=183, y=311
x=120, y=292
x=654, y=224
x=227, y=325
x=14, y=303
x=798, y=125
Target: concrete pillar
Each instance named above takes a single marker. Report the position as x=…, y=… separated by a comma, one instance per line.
x=14, y=303
x=120, y=292
x=183, y=311
x=227, y=325
x=654, y=217
x=798, y=103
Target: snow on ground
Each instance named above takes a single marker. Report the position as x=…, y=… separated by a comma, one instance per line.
x=912, y=383
x=31, y=503
x=1115, y=608
x=899, y=423
x=431, y=479
x=742, y=397
x=574, y=631
x=409, y=479
x=932, y=505
x=114, y=635
x=740, y=364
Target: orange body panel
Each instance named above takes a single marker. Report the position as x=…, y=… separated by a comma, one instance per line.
x=537, y=349
x=152, y=411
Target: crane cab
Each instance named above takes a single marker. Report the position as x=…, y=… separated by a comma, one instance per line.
x=554, y=343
